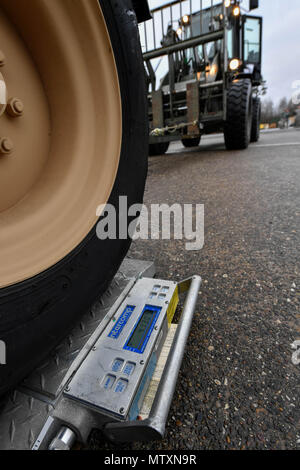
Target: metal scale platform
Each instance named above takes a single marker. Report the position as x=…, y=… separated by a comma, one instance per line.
x=116, y=371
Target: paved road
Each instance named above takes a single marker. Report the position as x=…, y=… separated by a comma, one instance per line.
x=238, y=387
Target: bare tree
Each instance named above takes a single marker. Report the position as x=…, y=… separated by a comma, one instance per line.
x=283, y=106
x=268, y=111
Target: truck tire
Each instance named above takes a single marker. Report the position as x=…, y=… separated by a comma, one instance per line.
x=89, y=117
x=188, y=143
x=237, y=130
x=158, y=149
x=256, y=114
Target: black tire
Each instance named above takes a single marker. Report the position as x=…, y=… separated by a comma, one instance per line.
x=36, y=314
x=256, y=114
x=158, y=149
x=188, y=143
x=237, y=131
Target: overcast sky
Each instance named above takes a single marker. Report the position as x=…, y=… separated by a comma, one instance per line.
x=281, y=44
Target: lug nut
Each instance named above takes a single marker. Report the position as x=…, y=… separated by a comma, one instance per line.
x=6, y=146
x=15, y=107
x=2, y=59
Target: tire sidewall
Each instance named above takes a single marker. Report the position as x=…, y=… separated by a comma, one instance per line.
x=249, y=114
x=189, y=143
x=256, y=118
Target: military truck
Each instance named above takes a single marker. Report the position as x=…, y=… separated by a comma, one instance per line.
x=203, y=63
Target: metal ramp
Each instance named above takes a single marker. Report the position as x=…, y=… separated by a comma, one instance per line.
x=43, y=411
x=24, y=413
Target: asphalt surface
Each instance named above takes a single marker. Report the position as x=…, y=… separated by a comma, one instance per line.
x=238, y=387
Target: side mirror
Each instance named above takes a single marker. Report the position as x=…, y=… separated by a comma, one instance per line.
x=253, y=4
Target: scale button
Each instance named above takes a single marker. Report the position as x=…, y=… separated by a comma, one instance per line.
x=121, y=386
x=162, y=296
x=164, y=290
x=108, y=382
x=129, y=368
x=117, y=365
x=156, y=288
x=152, y=295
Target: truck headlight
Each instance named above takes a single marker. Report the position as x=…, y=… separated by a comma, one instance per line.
x=179, y=32
x=234, y=64
x=236, y=11
x=185, y=19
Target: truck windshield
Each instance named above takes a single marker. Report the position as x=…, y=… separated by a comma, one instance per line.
x=252, y=34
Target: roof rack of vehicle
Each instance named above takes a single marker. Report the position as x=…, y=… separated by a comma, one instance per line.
x=153, y=31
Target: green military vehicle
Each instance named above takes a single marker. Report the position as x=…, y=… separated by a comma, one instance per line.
x=204, y=73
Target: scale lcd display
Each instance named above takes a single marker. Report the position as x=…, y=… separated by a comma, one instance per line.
x=143, y=329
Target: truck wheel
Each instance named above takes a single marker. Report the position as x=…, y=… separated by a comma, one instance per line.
x=158, y=149
x=78, y=139
x=188, y=143
x=238, y=125
x=256, y=113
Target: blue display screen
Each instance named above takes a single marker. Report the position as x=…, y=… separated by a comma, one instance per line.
x=139, y=338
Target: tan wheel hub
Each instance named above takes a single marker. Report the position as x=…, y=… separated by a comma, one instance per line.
x=15, y=107
x=3, y=93
x=60, y=130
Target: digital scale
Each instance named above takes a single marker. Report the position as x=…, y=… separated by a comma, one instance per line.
x=116, y=374
x=116, y=371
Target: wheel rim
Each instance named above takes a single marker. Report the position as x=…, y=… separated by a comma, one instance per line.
x=60, y=154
